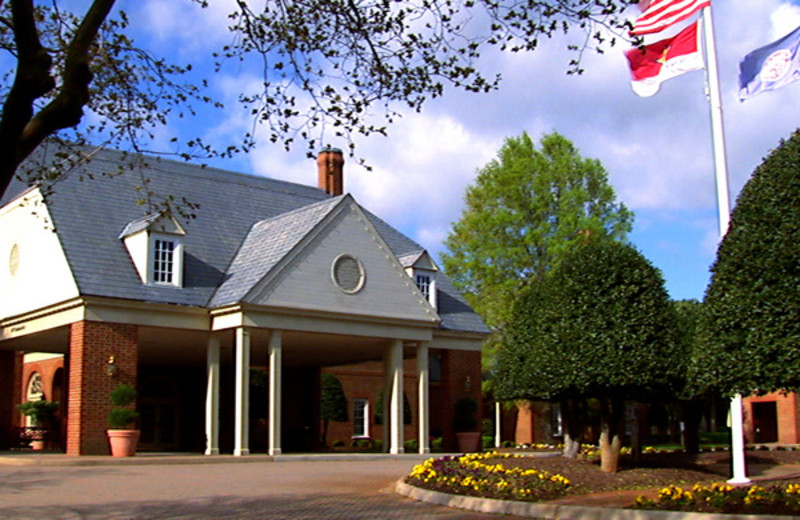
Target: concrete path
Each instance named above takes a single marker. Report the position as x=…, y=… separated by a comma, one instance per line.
x=259, y=489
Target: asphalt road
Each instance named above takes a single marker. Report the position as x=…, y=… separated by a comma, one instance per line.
x=350, y=490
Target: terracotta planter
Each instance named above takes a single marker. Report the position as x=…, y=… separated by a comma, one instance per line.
x=469, y=442
x=123, y=442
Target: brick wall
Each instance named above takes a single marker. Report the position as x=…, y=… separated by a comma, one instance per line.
x=461, y=377
x=91, y=346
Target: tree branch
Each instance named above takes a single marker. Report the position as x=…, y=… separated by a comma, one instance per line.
x=66, y=109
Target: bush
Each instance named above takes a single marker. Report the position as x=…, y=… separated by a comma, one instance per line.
x=464, y=419
x=487, y=441
x=121, y=417
x=411, y=446
x=41, y=412
x=436, y=444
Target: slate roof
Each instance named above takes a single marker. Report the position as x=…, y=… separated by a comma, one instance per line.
x=224, y=249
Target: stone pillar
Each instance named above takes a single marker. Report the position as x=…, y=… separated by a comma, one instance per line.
x=275, y=377
x=242, y=390
x=212, y=395
x=395, y=375
x=423, y=397
x=101, y=356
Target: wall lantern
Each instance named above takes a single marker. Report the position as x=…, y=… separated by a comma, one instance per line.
x=111, y=366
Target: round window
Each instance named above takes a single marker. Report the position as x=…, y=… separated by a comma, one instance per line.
x=13, y=260
x=348, y=273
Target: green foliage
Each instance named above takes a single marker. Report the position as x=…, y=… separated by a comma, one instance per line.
x=464, y=417
x=121, y=416
x=123, y=395
x=751, y=331
x=41, y=412
x=333, y=406
x=600, y=325
x=525, y=211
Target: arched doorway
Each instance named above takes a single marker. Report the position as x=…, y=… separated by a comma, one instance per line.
x=159, y=410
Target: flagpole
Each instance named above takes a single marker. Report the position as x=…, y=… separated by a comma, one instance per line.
x=724, y=211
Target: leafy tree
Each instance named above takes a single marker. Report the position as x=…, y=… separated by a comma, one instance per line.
x=600, y=325
x=751, y=330
x=333, y=405
x=325, y=64
x=526, y=209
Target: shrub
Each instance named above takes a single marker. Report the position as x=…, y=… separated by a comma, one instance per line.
x=411, y=446
x=41, y=412
x=121, y=416
x=487, y=441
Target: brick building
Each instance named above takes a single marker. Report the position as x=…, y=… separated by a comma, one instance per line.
x=270, y=279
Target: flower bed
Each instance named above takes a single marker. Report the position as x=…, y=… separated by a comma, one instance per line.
x=724, y=498
x=481, y=474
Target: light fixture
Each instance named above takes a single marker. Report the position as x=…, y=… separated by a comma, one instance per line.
x=467, y=384
x=111, y=366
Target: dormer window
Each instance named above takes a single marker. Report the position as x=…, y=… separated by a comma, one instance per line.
x=155, y=244
x=164, y=253
x=423, y=282
x=422, y=269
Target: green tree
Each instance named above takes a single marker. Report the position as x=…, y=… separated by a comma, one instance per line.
x=751, y=327
x=600, y=325
x=525, y=210
x=325, y=64
x=333, y=403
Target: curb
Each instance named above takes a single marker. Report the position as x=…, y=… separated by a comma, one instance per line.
x=551, y=511
x=61, y=460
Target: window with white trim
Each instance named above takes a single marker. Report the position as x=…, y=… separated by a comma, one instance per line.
x=423, y=282
x=360, y=418
x=166, y=260
x=163, y=260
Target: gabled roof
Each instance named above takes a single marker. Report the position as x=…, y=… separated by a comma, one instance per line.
x=265, y=245
x=235, y=213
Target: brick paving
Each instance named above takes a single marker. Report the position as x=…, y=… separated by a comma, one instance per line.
x=351, y=489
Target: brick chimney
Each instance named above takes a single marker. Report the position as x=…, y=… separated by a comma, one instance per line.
x=329, y=169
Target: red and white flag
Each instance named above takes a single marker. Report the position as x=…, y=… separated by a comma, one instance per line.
x=661, y=14
x=665, y=59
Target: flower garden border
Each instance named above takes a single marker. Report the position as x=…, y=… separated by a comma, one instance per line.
x=550, y=511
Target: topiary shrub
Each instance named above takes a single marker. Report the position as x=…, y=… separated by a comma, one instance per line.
x=121, y=416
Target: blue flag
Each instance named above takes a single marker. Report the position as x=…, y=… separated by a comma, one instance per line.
x=770, y=67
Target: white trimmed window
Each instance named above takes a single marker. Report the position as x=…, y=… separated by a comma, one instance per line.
x=423, y=281
x=166, y=260
x=360, y=418
x=163, y=260
x=426, y=283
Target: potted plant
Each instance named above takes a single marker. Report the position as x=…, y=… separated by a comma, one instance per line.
x=465, y=423
x=41, y=414
x=123, y=436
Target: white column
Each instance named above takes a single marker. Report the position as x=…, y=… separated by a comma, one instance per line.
x=387, y=399
x=242, y=426
x=396, y=402
x=423, y=398
x=737, y=442
x=498, y=432
x=212, y=395
x=275, y=368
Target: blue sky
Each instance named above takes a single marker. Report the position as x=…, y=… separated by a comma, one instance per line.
x=657, y=150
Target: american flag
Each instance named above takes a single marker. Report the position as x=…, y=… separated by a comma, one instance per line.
x=660, y=14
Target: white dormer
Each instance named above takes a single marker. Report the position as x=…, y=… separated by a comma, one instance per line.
x=155, y=244
x=422, y=269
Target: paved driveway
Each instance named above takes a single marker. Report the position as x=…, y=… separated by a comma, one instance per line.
x=349, y=490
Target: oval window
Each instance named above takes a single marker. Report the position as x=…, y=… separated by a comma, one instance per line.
x=348, y=273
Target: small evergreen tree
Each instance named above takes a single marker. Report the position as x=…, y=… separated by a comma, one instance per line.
x=333, y=406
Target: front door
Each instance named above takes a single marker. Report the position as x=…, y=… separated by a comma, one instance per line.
x=765, y=422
